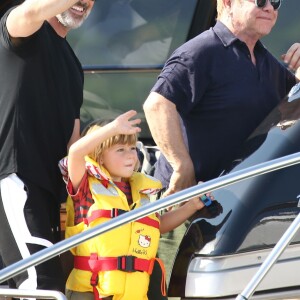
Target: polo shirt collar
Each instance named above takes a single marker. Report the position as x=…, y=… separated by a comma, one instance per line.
x=227, y=37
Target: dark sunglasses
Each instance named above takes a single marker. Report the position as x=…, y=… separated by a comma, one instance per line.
x=262, y=3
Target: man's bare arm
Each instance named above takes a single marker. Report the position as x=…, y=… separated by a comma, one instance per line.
x=164, y=124
x=29, y=16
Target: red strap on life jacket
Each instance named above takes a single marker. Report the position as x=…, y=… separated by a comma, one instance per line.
x=103, y=213
x=114, y=212
x=163, y=285
x=129, y=263
x=95, y=264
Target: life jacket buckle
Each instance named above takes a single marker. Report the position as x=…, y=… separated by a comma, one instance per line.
x=126, y=263
x=116, y=212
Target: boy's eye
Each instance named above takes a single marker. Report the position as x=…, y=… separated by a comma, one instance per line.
x=133, y=148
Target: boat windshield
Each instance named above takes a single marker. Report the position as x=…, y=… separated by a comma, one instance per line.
x=132, y=32
x=122, y=46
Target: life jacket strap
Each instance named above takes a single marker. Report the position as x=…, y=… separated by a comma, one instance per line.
x=129, y=263
x=104, y=213
x=163, y=285
x=114, y=212
x=94, y=280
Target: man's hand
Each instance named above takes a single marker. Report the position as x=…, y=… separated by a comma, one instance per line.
x=292, y=57
x=181, y=180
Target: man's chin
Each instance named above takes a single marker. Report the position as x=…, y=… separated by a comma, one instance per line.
x=74, y=24
x=70, y=22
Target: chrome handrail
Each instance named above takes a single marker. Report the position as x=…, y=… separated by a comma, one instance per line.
x=270, y=260
x=130, y=216
x=36, y=294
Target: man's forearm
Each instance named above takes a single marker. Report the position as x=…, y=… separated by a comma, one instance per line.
x=164, y=124
x=28, y=17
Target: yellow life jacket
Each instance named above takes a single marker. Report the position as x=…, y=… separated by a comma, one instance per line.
x=116, y=263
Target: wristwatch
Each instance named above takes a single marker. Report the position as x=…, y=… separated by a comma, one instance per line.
x=206, y=200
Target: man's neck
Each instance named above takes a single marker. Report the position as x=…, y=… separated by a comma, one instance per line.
x=250, y=41
x=60, y=29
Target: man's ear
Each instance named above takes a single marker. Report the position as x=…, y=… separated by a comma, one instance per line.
x=225, y=10
x=227, y=3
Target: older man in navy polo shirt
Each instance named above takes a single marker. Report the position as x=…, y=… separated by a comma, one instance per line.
x=221, y=84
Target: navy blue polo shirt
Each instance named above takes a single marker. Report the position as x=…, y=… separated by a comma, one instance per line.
x=220, y=95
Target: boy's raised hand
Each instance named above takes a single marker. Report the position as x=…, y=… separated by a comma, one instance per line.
x=124, y=125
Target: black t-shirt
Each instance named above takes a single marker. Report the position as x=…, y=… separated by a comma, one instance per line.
x=220, y=95
x=41, y=91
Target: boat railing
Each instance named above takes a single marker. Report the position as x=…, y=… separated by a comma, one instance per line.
x=36, y=294
x=270, y=260
x=184, y=195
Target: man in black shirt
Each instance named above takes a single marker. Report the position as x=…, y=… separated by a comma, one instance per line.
x=41, y=91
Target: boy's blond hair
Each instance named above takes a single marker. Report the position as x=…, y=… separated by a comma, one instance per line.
x=123, y=139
